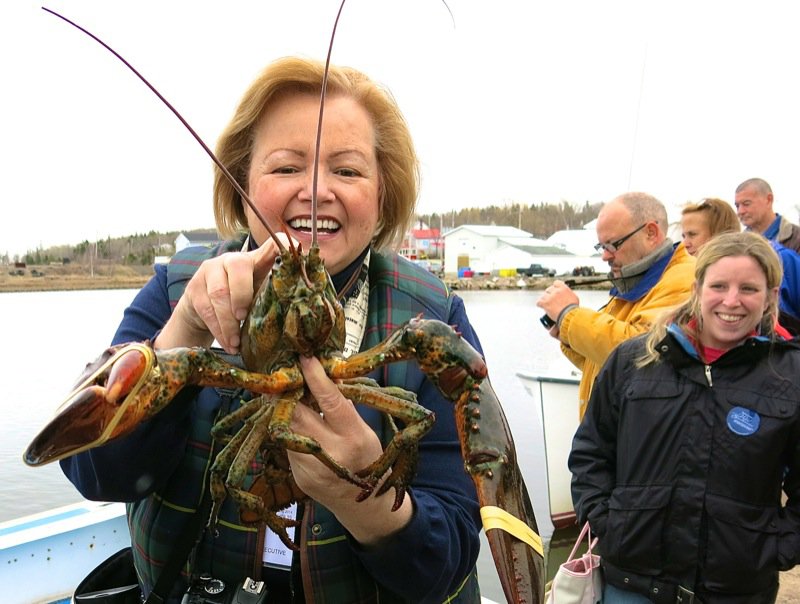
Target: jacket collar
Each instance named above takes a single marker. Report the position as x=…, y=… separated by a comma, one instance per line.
x=679, y=349
x=647, y=273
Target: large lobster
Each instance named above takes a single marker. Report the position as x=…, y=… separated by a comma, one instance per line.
x=132, y=382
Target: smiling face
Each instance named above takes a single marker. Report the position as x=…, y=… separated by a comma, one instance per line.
x=348, y=187
x=733, y=298
x=695, y=230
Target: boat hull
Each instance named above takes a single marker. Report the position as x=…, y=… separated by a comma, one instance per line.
x=556, y=400
x=44, y=556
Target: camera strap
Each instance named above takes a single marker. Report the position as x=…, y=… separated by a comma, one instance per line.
x=194, y=526
x=180, y=553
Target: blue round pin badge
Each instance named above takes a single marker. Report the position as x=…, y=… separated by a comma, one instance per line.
x=743, y=422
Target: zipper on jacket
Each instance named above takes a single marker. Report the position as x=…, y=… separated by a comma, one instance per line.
x=708, y=376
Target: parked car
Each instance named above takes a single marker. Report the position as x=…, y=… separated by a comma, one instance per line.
x=423, y=263
x=536, y=270
x=583, y=271
x=433, y=266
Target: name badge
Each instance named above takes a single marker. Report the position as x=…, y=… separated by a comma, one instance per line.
x=276, y=554
x=743, y=422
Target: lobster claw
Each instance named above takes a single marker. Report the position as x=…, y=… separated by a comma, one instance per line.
x=516, y=547
x=506, y=510
x=98, y=409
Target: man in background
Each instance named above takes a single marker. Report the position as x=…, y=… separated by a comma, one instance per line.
x=650, y=274
x=754, y=206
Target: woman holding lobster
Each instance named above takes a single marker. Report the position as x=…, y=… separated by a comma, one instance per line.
x=426, y=550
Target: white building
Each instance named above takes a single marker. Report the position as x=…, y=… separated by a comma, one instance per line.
x=490, y=249
x=206, y=237
x=581, y=242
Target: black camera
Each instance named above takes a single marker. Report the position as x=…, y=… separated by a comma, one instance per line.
x=208, y=590
x=546, y=321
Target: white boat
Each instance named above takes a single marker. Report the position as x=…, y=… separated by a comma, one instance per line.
x=44, y=556
x=556, y=400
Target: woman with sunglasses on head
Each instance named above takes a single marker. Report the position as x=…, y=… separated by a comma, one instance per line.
x=702, y=221
x=691, y=440
x=649, y=274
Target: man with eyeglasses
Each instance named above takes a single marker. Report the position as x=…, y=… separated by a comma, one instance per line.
x=649, y=275
x=754, y=206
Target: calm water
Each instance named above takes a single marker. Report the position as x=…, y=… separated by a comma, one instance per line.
x=50, y=336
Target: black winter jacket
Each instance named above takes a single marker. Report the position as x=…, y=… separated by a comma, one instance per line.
x=679, y=468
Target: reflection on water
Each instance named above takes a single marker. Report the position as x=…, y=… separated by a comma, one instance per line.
x=50, y=336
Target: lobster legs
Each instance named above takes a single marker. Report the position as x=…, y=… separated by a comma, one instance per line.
x=273, y=490
x=266, y=430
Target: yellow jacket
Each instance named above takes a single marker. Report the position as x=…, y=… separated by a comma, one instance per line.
x=588, y=336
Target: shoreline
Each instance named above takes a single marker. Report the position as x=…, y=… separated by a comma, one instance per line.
x=64, y=278
x=70, y=283
x=18, y=284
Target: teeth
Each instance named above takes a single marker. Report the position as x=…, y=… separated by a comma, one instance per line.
x=322, y=225
x=730, y=318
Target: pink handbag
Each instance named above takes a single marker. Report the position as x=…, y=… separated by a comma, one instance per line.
x=578, y=580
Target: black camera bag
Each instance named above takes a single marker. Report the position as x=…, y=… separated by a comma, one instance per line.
x=113, y=581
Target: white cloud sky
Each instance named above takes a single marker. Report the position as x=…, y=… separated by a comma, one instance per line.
x=519, y=101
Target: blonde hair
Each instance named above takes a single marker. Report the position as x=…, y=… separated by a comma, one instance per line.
x=397, y=160
x=746, y=243
x=720, y=216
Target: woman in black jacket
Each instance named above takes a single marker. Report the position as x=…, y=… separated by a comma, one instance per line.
x=691, y=437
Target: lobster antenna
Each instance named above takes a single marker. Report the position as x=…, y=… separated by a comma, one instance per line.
x=452, y=16
x=205, y=147
x=315, y=177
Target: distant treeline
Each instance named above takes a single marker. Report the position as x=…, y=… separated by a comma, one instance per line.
x=138, y=249
x=541, y=220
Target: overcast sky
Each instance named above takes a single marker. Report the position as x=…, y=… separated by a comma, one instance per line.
x=509, y=101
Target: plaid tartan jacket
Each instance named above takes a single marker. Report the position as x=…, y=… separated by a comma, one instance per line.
x=329, y=568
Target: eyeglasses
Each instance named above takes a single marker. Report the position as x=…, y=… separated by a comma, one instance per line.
x=612, y=247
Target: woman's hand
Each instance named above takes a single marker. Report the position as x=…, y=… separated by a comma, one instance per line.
x=217, y=299
x=345, y=436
